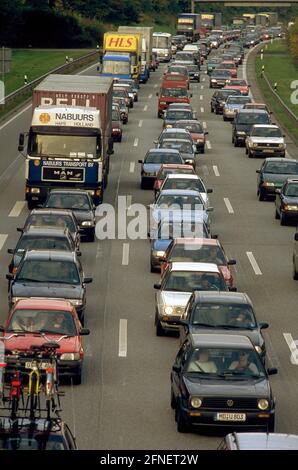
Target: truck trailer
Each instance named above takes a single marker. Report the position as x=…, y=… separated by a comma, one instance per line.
x=146, y=56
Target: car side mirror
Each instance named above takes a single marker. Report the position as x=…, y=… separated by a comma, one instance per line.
x=232, y=262
x=233, y=289
x=273, y=123
x=21, y=142
x=140, y=161
x=206, y=133
x=19, y=229
x=190, y=95
x=296, y=237
x=156, y=93
x=258, y=171
x=78, y=253
x=183, y=323
x=209, y=191
x=214, y=237
x=272, y=371
x=11, y=251
x=210, y=209
x=157, y=286
x=84, y=332
x=249, y=86
x=9, y=277
x=176, y=368
x=263, y=325
x=155, y=142
x=88, y=280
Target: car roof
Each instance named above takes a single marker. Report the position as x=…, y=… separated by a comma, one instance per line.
x=253, y=111
x=194, y=267
x=163, y=150
x=280, y=160
x=46, y=231
x=50, y=255
x=263, y=440
x=178, y=166
x=69, y=191
x=223, y=297
x=269, y=126
x=179, y=192
x=221, y=340
x=49, y=304
x=48, y=210
x=181, y=176
x=197, y=241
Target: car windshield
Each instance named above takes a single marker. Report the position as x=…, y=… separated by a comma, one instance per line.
x=181, y=229
x=174, y=92
x=266, y=132
x=174, y=135
x=24, y=441
x=252, y=118
x=175, y=77
x=188, y=281
x=184, y=183
x=226, y=362
x=175, y=115
x=115, y=115
x=69, y=201
x=49, y=321
x=48, y=271
x=182, y=201
x=192, y=252
x=238, y=100
x=221, y=73
x=31, y=242
x=194, y=127
x=291, y=190
x=218, y=314
x=183, y=147
x=51, y=220
x=238, y=83
x=178, y=69
x=282, y=168
x=157, y=158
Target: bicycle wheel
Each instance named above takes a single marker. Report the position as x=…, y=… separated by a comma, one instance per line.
x=14, y=406
x=33, y=396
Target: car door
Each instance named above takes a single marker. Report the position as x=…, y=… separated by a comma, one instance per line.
x=183, y=330
x=180, y=361
x=278, y=198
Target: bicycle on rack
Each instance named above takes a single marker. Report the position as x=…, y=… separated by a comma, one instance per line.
x=51, y=386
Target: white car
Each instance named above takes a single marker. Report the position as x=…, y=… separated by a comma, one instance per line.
x=183, y=181
x=265, y=140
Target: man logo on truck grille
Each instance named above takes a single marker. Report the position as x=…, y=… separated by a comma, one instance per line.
x=44, y=118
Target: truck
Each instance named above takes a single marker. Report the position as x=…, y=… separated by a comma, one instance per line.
x=189, y=25
x=146, y=56
x=211, y=20
x=70, y=138
x=122, y=55
x=162, y=46
x=266, y=18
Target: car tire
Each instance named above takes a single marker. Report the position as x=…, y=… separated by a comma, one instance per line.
x=277, y=216
x=202, y=149
x=216, y=111
x=283, y=219
x=261, y=195
x=211, y=109
x=182, y=422
x=143, y=185
x=91, y=236
x=82, y=319
x=295, y=274
x=271, y=424
x=159, y=329
x=77, y=379
x=246, y=150
x=224, y=118
x=236, y=143
x=173, y=400
x=120, y=139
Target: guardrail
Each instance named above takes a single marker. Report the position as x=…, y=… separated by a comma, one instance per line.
x=286, y=108
x=26, y=90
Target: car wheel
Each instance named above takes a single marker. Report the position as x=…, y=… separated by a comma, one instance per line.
x=91, y=236
x=159, y=329
x=261, y=195
x=249, y=154
x=235, y=143
x=233, y=138
x=77, y=379
x=82, y=319
x=182, y=422
x=224, y=118
x=212, y=110
x=295, y=274
x=246, y=150
x=203, y=149
x=216, y=111
x=120, y=139
x=143, y=184
x=283, y=219
x=271, y=424
x=277, y=216
x=173, y=400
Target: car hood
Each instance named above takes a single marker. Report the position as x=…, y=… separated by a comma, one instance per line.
x=30, y=289
x=197, y=135
x=161, y=244
x=217, y=387
x=83, y=215
x=272, y=140
x=151, y=167
x=175, y=298
x=24, y=343
x=186, y=156
x=234, y=106
x=290, y=200
x=278, y=179
x=243, y=127
x=254, y=335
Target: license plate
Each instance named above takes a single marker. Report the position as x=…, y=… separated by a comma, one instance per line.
x=268, y=151
x=231, y=417
x=42, y=365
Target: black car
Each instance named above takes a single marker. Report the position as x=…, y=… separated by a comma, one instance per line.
x=286, y=202
x=273, y=173
x=39, y=434
x=222, y=313
x=50, y=274
x=219, y=380
x=219, y=78
x=219, y=98
x=80, y=203
x=54, y=218
x=243, y=122
x=41, y=238
x=193, y=72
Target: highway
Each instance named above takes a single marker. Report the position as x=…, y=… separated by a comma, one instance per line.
x=124, y=399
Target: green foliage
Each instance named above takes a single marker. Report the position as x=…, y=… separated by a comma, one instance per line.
x=292, y=40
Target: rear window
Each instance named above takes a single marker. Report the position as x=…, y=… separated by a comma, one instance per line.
x=252, y=118
x=174, y=92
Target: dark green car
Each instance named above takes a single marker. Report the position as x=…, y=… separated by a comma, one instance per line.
x=212, y=63
x=272, y=175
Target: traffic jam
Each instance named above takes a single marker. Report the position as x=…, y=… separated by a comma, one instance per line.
x=221, y=375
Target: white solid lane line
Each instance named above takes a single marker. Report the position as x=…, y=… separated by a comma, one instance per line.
x=202, y=110
x=215, y=169
x=132, y=167
x=125, y=254
x=14, y=117
x=208, y=144
x=17, y=209
x=140, y=122
x=293, y=348
x=136, y=142
x=122, y=352
x=254, y=263
x=3, y=238
x=228, y=205
x=145, y=107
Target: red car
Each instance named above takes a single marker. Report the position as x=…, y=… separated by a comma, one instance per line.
x=170, y=168
x=171, y=92
x=229, y=65
x=38, y=321
x=203, y=250
x=177, y=78
x=116, y=124
x=238, y=84
x=196, y=131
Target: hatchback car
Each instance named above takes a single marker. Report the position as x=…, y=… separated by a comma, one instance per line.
x=80, y=203
x=185, y=148
x=244, y=120
x=273, y=173
x=185, y=181
x=286, y=202
x=167, y=169
x=219, y=98
x=197, y=132
x=47, y=320
x=265, y=139
x=219, y=380
x=176, y=287
x=153, y=161
x=221, y=313
x=49, y=274
x=233, y=104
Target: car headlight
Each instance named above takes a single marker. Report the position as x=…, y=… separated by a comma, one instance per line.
x=281, y=145
x=213, y=79
x=263, y=404
x=189, y=160
x=168, y=310
x=87, y=223
x=116, y=129
x=35, y=190
x=196, y=402
x=268, y=183
x=76, y=302
x=16, y=299
x=290, y=207
x=163, y=102
x=158, y=254
x=200, y=140
x=70, y=357
x=258, y=349
x=240, y=132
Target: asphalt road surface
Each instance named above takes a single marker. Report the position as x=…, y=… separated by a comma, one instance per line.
x=124, y=399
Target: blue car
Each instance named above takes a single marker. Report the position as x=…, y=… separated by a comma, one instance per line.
x=153, y=160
